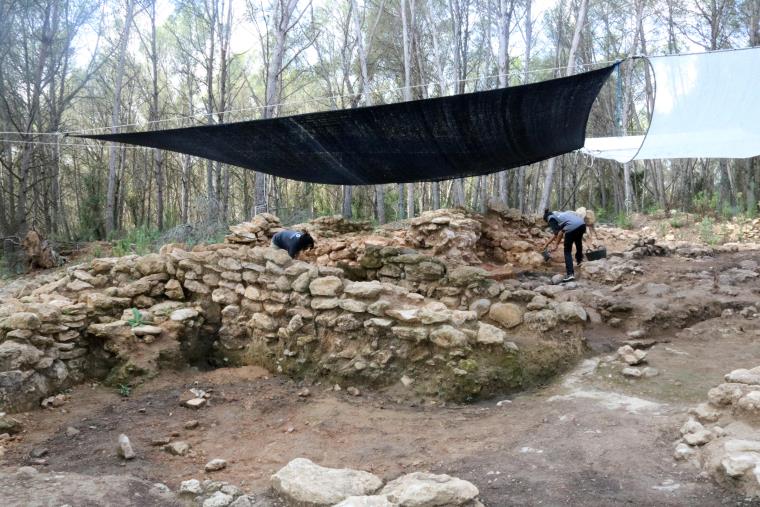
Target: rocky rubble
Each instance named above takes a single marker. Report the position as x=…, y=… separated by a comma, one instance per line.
x=612, y=270
x=124, y=318
x=210, y=493
x=258, y=231
x=722, y=435
x=453, y=234
x=512, y=238
x=646, y=247
x=454, y=237
x=334, y=226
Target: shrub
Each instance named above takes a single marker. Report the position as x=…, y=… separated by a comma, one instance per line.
x=623, y=221
x=706, y=231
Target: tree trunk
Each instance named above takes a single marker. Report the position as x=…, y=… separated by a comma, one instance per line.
x=210, y=59
x=273, y=86
x=506, y=8
x=158, y=158
x=400, y=203
x=580, y=20
x=186, y=171
x=115, y=115
x=347, y=191
x=457, y=193
x=406, y=37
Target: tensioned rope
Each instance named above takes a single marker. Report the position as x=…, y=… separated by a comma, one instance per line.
x=329, y=97
x=201, y=115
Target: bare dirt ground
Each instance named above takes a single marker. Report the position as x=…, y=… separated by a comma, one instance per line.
x=590, y=438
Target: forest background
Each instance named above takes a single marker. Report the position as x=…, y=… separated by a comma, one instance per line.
x=93, y=66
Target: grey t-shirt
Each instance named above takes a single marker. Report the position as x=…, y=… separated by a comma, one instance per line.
x=568, y=220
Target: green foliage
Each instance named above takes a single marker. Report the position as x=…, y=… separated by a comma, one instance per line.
x=652, y=209
x=706, y=231
x=677, y=222
x=623, y=221
x=136, y=319
x=704, y=203
x=729, y=211
x=140, y=241
x=125, y=390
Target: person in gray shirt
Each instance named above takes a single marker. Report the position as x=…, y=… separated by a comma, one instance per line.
x=571, y=227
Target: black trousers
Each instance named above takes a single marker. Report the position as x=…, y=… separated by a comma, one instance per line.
x=574, y=237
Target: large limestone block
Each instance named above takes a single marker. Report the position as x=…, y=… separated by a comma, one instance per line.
x=183, y=314
x=173, y=290
x=466, y=275
x=542, y=320
x=21, y=320
x=17, y=356
x=434, y=316
x=490, y=335
x=150, y=264
x=224, y=296
x=116, y=330
x=136, y=288
x=197, y=287
x=302, y=481
x=263, y=321
x=364, y=289
x=22, y=390
x=417, y=334
x=421, y=489
x=97, y=301
x=276, y=255
x=324, y=303
x=727, y=394
x=750, y=402
x=230, y=264
x=326, y=286
x=508, y=315
x=353, y=305
x=570, y=311
x=737, y=464
x=743, y=376
x=448, y=337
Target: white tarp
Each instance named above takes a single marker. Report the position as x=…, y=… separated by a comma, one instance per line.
x=706, y=106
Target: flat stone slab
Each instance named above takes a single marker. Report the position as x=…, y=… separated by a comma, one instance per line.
x=420, y=489
x=302, y=481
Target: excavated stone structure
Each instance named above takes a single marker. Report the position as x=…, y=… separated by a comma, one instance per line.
x=410, y=319
x=721, y=435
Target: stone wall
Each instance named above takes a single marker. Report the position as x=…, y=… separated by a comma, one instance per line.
x=449, y=333
x=452, y=237
x=721, y=435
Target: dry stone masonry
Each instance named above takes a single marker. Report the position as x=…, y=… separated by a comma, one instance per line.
x=721, y=435
x=448, y=330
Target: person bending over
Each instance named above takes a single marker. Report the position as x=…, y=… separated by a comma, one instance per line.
x=293, y=241
x=571, y=227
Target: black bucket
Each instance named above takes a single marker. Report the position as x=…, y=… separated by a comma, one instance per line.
x=595, y=255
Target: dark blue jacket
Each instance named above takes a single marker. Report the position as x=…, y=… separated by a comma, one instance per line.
x=292, y=241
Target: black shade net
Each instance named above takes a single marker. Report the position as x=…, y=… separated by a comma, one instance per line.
x=421, y=140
